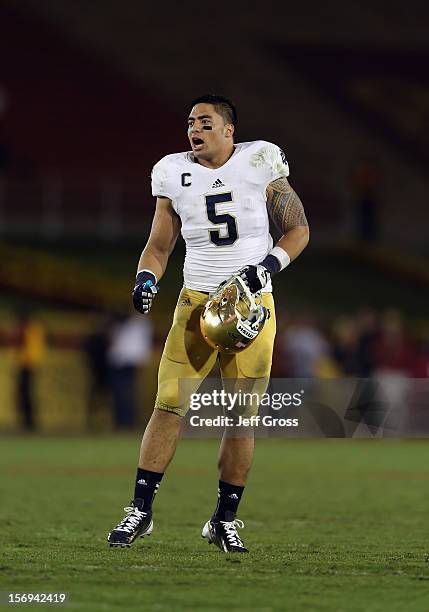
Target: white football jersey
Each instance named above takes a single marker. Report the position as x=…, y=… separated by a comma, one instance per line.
x=223, y=211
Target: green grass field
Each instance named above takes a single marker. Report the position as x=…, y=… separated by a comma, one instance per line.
x=331, y=526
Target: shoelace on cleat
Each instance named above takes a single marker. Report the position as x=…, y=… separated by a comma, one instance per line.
x=230, y=528
x=131, y=521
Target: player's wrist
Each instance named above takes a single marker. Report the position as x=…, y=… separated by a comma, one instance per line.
x=276, y=260
x=145, y=275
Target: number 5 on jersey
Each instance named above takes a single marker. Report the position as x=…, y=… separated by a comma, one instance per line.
x=229, y=220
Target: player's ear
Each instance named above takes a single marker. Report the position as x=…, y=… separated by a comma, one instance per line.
x=229, y=130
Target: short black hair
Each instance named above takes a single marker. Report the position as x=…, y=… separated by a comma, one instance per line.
x=223, y=106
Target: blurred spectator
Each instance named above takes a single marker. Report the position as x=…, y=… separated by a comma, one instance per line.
x=366, y=186
x=345, y=345
x=394, y=362
x=130, y=347
x=394, y=351
x=367, y=331
x=30, y=354
x=304, y=347
x=421, y=364
x=96, y=346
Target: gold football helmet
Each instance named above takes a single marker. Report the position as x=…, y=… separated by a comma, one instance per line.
x=233, y=316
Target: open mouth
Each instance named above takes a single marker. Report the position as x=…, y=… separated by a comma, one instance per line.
x=197, y=143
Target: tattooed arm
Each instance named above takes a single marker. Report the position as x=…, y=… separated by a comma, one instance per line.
x=287, y=212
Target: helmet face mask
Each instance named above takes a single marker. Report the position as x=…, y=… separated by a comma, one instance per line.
x=232, y=317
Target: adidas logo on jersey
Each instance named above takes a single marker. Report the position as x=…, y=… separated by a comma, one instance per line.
x=186, y=302
x=217, y=183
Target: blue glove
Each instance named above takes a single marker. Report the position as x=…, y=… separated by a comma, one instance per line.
x=144, y=291
x=257, y=277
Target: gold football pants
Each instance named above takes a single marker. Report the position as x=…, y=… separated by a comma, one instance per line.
x=187, y=357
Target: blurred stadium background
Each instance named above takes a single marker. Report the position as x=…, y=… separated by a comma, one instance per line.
x=93, y=94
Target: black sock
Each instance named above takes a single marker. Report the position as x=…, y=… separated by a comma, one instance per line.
x=146, y=487
x=227, y=502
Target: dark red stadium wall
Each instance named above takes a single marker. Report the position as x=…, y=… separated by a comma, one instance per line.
x=73, y=114
x=385, y=90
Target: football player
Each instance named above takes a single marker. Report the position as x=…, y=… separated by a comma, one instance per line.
x=219, y=195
